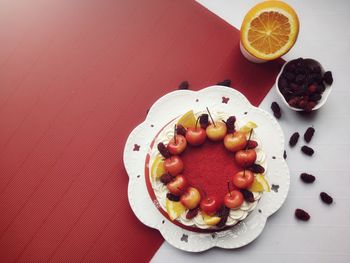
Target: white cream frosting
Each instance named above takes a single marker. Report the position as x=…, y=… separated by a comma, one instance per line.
x=161, y=190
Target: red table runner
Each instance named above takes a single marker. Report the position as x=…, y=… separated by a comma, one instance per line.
x=75, y=78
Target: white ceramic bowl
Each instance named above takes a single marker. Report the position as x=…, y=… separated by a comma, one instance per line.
x=320, y=103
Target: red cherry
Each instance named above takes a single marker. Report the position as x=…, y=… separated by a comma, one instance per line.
x=173, y=165
x=210, y=205
x=196, y=136
x=190, y=198
x=235, y=142
x=177, y=145
x=243, y=179
x=245, y=158
x=233, y=199
x=178, y=185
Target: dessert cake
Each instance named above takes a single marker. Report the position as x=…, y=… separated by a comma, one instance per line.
x=206, y=172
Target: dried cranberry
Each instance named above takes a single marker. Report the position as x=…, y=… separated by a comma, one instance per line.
x=307, y=178
x=180, y=130
x=252, y=144
x=173, y=197
x=226, y=82
x=282, y=83
x=328, y=78
x=276, y=109
x=294, y=87
x=163, y=150
x=320, y=87
x=312, y=88
x=223, y=211
x=303, y=104
x=300, y=78
x=204, y=120
x=184, y=85
x=326, y=198
x=317, y=77
x=294, y=139
x=257, y=168
x=192, y=213
x=301, y=214
x=291, y=67
x=166, y=178
x=316, y=69
x=308, y=134
x=310, y=105
x=222, y=222
x=230, y=123
x=293, y=102
x=315, y=97
x=289, y=76
x=248, y=196
x=307, y=150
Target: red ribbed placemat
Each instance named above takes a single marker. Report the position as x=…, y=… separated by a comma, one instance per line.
x=75, y=78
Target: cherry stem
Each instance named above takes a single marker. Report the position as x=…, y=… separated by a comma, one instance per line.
x=228, y=186
x=175, y=134
x=197, y=122
x=211, y=118
x=250, y=135
x=244, y=173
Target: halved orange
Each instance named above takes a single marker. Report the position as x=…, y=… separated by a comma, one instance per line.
x=269, y=30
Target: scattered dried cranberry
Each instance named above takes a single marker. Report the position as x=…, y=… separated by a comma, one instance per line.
x=276, y=109
x=163, y=150
x=184, y=85
x=301, y=214
x=328, y=78
x=252, y=144
x=192, y=213
x=308, y=134
x=307, y=178
x=294, y=139
x=180, y=130
x=248, y=196
x=173, y=197
x=204, y=120
x=285, y=154
x=257, y=168
x=307, y=150
x=326, y=198
x=222, y=222
x=226, y=82
x=166, y=178
x=230, y=123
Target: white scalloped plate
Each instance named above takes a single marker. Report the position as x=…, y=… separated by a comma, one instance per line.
x=175, y=104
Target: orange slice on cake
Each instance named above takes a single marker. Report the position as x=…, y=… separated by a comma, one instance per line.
x=269, y=30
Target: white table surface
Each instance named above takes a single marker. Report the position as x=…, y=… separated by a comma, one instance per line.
x=325, y=36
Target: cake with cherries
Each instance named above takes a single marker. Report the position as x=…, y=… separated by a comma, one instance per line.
x=206, y=171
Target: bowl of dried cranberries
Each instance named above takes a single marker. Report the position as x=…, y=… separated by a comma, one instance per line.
x=303, y=84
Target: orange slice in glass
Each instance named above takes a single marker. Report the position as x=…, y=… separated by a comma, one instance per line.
x=269, y=30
